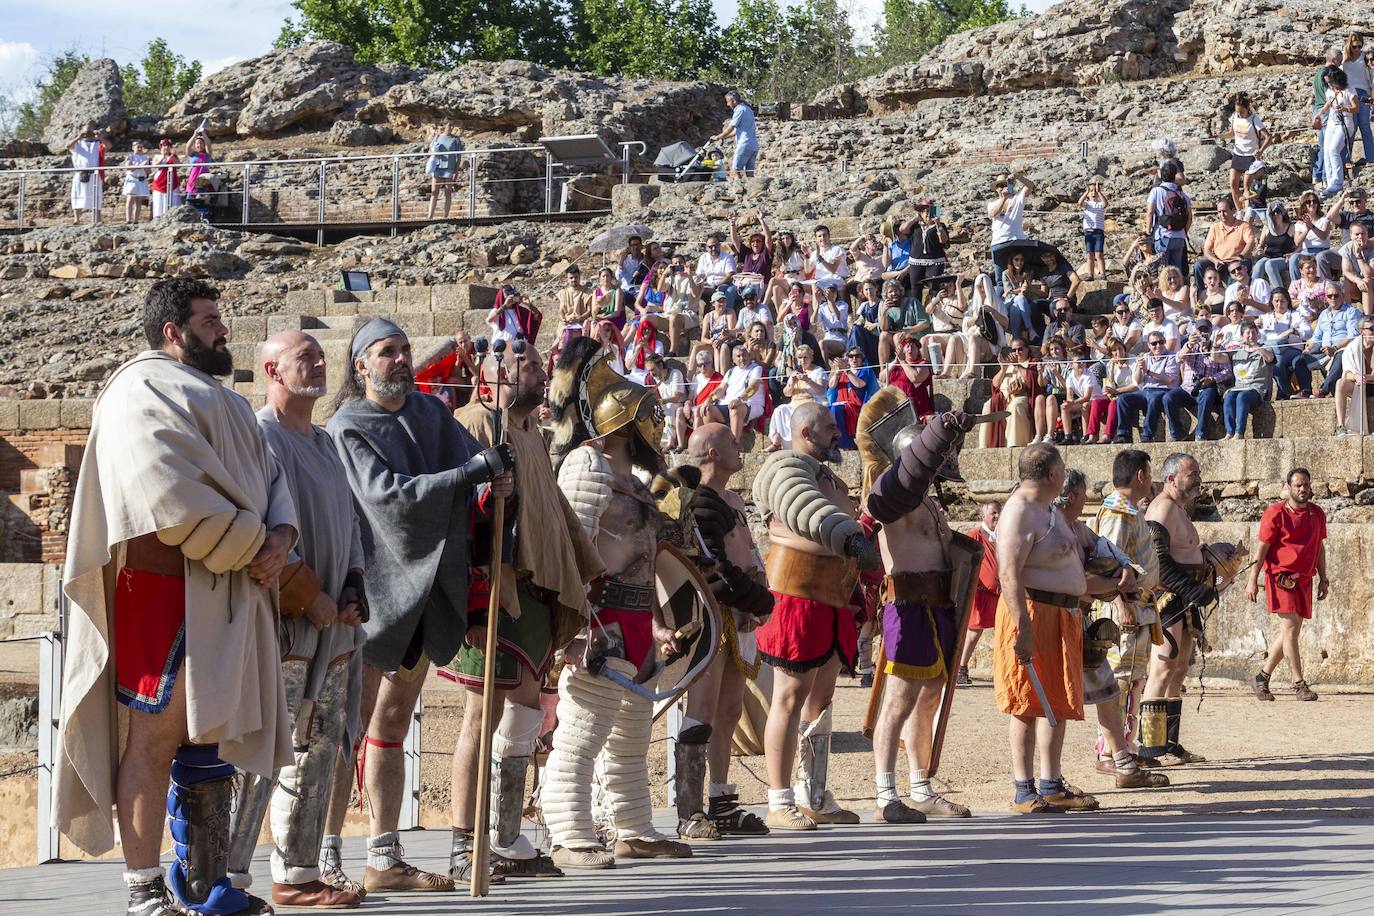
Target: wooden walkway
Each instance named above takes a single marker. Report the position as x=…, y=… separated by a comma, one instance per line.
x=1074, y=865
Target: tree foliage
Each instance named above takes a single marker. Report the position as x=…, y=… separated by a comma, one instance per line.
x=910, y=29
x=437, y=33
x=58, y=73
x=668, y=39
x=154, y=85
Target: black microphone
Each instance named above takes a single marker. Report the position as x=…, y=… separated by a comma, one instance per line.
x=519, y=347
x=480, y=345
x=499, y=346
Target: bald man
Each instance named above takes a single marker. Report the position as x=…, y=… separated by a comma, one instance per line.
x=322, y=605
x=816, y=549
x=543, y=603
x=716, y=700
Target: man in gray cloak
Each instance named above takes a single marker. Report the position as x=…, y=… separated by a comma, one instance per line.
x=419, y=482
x=321, y=610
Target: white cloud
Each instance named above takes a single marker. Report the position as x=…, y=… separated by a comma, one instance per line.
x=18, y=61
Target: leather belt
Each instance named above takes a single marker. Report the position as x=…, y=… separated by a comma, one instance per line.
x=624, y=596
x=1058, y=599
x=826, y=580
x=928, y=588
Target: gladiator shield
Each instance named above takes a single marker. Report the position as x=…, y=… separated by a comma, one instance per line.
x=687, y=605
x=965, y=557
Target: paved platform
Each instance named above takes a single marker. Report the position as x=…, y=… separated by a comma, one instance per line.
x=1071, y=864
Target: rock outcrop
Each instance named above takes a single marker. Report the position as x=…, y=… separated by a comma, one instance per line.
x=96, y=96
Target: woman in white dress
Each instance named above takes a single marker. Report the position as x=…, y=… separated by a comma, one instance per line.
x=136, y=183
x=87, y=193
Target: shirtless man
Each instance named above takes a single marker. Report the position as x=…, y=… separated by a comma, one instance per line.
x=901, y=459
x=606, y=427
x=1187, y=584
x=1039, y=629
x=816, y=550
x=716, y=700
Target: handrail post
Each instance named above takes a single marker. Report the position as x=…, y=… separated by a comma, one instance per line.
x=319, y=236
x=395, y=193
x=49, y=841
x=548, y=184
x=247, y=207
x=472, y=186
x=624, y=163
x=21, y=201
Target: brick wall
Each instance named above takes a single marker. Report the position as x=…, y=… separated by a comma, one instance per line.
x=37, y=473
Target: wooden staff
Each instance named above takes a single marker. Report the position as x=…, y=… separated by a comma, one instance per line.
x=481, y=837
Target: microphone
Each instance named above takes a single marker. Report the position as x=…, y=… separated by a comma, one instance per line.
x=499, y=346
x=519, y=347
x=480, y=345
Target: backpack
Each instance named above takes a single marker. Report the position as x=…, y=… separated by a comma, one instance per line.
x=1174, y=215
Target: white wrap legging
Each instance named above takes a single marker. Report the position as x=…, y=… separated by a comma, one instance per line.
x=596, y=717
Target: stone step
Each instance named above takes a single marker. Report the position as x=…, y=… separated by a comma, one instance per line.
x=447, y=297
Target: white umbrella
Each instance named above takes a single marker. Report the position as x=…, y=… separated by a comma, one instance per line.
x=617, y=237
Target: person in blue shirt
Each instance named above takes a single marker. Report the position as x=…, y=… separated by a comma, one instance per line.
x=1336, y=326
x=741, y=127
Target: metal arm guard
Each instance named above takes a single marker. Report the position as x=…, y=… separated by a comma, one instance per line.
x=903, y=487
x=1175, y=578
x=585, y=478
x=786, y=488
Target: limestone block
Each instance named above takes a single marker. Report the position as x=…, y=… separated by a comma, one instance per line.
x=1327, y=457
x=21, y=589
x=1265, y=459
x=384, y=300
x=988, y=463
x=248, y=327
x=40, y=414
x=415, y=324
x=76, y=413
x=1304, y=419
x=447, y=323
x=9, y=413
x=630, y=197
x=308, y=301
x=278, y=323
x=413, y=299
x=454, y=297
x=342, y=308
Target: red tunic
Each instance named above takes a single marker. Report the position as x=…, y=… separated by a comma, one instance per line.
x=984, y=616
x=1295, y=541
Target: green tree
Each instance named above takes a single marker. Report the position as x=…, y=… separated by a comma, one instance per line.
x=667, y=39
x=154, y=85
x=910, y=29
x=437, y=33
x=32, y=116
x=777, y=54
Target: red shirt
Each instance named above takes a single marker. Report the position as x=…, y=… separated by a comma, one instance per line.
x=1294, y=538
x=987, y=573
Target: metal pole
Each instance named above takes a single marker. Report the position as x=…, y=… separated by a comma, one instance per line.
x=319, y=236
x=548, y=183
x=247, y=190
x=49, y=709
x=624, y=163
x=472, y=186
x=395, y=193
x=410, y=800
x=21, y=202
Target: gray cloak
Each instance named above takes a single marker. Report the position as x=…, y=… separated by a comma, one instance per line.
x=413, y=509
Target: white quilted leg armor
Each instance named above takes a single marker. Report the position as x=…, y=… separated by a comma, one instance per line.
x=587, y=707
x=813, y=765
x=626, y=767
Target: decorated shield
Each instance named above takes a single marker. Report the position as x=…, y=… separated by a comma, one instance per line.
x=690, y=609
x=965, y=557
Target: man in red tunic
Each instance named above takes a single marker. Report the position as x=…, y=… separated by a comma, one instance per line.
x=1292, y=546
x=984, y=615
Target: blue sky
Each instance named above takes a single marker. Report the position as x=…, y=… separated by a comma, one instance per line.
x=218, y=32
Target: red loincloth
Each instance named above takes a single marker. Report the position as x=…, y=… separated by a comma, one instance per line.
x=149, y=637
x=802, y=634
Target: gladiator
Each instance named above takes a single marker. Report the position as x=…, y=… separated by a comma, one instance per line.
x=816, y=549
x=920, y=617
x=1187, y=585
x=715, y=702
x=606, y=428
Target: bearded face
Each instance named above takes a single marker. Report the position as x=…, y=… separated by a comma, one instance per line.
x=213, y=358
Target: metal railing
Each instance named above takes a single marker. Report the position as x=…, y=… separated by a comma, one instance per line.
x=390, y=188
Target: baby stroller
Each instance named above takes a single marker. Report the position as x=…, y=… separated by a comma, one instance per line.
x=679, y=162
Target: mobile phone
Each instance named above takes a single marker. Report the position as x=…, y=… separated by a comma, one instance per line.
x=934, y=212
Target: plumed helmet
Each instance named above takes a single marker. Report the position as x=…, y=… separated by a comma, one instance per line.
x=590, y=400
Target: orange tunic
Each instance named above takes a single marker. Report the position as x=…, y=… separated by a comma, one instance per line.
x=1058, y=655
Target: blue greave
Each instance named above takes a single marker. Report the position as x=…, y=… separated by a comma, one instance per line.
x=198, y=809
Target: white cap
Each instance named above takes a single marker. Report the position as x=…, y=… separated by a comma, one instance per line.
x=1256, y=166
x=1163, y=146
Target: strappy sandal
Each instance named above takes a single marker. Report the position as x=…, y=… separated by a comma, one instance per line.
x=1035, y=805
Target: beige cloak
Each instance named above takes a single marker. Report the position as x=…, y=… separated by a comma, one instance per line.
x=168, y=445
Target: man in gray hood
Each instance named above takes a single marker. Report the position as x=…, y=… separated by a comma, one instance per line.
x=420, y=482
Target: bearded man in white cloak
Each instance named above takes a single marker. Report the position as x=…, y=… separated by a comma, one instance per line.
x=181, y=527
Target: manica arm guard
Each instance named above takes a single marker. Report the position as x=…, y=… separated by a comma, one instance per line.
x=903, y=487
x=1176, y=578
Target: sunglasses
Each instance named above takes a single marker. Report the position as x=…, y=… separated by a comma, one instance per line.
x=1156, y=343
